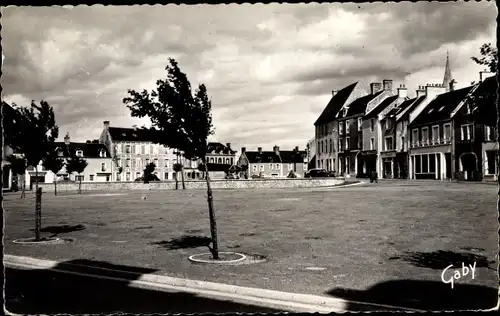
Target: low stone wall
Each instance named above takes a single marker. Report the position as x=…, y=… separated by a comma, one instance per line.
x=196, y=184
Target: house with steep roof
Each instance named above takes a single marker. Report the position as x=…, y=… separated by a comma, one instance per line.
x=358, y=130
x=99, y=163
x=327, y=129
x=275, y=164
x=132, y=149
x=218, y=153
x=433, y=137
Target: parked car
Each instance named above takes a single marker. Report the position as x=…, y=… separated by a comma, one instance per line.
x=317, y=173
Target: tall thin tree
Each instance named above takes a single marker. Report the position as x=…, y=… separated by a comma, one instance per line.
x=179, y=120
x=76, y=164
x=53, y=163
x=18, y=167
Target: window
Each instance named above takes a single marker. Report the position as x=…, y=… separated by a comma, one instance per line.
x=414, y=137
x=127, y=176
x=490, y=158
x=388, y=143
x=261, y=167
x=360, y=123
x=147, y=162
x=403, y=143
x=91, y=177
x=331, y=146
x=79, y=178
x=277, y=166
x=290, y=166
x=425, y=163
x=103, y=166
x=418, y=165
x=127, y=149
x=467, y=132
x=425, y=135
x=155, y=149
x=165, y=176
x=134, y=150
x=489, y=133
x=271, y=166
x=341, y=144
x=108, y=177
x=219, y=160
x=118, y=149
x=435, y=134
x=254, y=168
x=143, y=150
x=372, y=143
x=137, y=174
x=79, y=153
x=151, y=150
x=347, y=126
x=432, y=163
x=447, y=132
x=167, y=163
x=155, y=161
x=127, y=162
x=227, y=161
x=372, y=125
x=360, y=142
x=341, y=128
x=318, y=148
x=347, y=139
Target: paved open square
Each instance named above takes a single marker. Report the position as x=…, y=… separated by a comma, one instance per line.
x=392, y=238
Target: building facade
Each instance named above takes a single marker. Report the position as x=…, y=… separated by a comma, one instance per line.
x=131, y=150
x=273, y=164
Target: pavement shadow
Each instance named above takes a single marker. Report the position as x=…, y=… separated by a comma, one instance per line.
x=421, y=295
x=439, y=260
x=61, y=229
x=48, y=291
x=184, y=242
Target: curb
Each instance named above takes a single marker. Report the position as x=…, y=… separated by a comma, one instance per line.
x=285, y=301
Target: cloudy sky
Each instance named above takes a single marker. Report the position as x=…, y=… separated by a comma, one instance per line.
x=269, y=69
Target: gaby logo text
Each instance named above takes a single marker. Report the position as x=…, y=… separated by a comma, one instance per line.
x=448, y=275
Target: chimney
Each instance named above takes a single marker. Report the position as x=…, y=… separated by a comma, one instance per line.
x=66, y=139
x=334, y=92
x=433, y=90
x=276, y=150
x=375, y=87
x=387, y=84
x=106, y=124
x=402, y=91
x=485, y=74
x=228, y=145
x=260, y=150
x=297, y=148
x=420, y=91
x=243, y=150
x=134, y=127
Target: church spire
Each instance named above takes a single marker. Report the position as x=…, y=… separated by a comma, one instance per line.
x=448, y=80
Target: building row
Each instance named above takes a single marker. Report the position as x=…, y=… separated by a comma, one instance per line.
x=441, y=133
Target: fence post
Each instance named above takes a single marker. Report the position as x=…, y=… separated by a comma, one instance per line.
x=38, y=213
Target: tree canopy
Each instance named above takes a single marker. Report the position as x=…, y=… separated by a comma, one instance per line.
x=75, y=164
x=489, y=57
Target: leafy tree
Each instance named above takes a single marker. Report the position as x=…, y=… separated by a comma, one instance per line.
x=53, y=163
x=179, y=120
x=33, y=133
x=148, y=172
x=78, y=165
x=489, y=57
x=18, y=167
x=201, y=168
x=177, y=168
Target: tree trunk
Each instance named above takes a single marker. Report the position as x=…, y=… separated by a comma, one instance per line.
x=23, y=186
x=176, y=181
x=55, y=187
x=213, y=225
x=38, y=211
x=182, y=176
x=79, y=184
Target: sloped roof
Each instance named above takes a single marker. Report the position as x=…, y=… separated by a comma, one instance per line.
x=410, y=105
x=359, y=105
x=218, y=167
x=219, y=148
x=90, y=150
x=129, y=134
x=285, y=156
x=335, y=104
x=388, y=101
x=441, y=107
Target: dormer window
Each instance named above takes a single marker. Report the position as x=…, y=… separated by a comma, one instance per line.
x=79, y=153
x=102, y=153
x=345, y=112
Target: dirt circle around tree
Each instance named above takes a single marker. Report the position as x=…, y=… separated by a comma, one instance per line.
x=43, y=241
x=227, y=258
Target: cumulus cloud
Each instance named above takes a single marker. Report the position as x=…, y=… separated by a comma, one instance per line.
x=269, y=69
